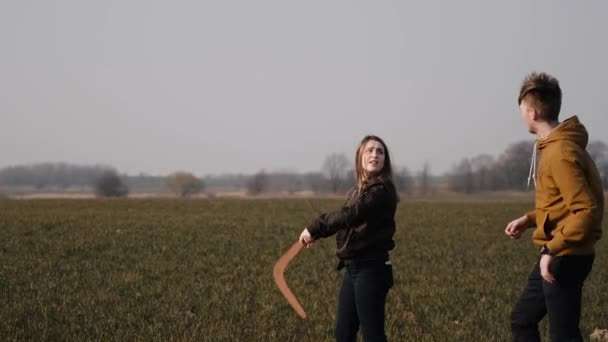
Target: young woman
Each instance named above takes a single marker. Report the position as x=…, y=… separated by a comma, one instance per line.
x=364, y=229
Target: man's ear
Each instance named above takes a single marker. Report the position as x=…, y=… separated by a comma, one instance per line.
x=533, y=113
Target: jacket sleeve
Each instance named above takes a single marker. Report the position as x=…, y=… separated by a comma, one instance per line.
x=368, y=203
x=570, y=178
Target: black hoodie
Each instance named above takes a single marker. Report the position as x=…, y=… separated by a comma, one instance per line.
x=365, y=225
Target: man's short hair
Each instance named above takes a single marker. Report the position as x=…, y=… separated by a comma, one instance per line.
x=541, y=91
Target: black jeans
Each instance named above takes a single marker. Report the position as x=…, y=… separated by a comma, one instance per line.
x=365, y=285
x=561, y=301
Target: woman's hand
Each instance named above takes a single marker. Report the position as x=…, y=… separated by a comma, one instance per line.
x=306, y=239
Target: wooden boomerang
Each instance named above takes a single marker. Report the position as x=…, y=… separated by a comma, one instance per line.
x=279, y=278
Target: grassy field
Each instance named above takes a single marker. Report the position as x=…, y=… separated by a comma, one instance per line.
x=163, y=269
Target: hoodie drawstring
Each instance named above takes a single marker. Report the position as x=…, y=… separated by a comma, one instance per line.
x=532, y=173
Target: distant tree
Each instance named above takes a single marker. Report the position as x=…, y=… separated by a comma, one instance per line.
x=183, y=184
x=403, y=180
x=314, y=180
x=481, y=166
x=512, y=167
x=284, y=181
x=461, y=178
x=350, y=181
x=43, y=175
x=293, y=183
x=257, y=183
x=598, y=150
x=110, y=185
x=424, y=180
x=335, y=169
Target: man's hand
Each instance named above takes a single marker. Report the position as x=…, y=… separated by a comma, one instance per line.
x=545, y=263
x=305, y=239
x=517, y=227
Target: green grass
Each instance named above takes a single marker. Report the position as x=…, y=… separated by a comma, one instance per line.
x=202, y=270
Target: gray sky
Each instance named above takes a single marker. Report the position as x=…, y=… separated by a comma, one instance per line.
x=237, y=86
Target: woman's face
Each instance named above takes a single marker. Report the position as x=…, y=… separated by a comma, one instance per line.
x=372, y=158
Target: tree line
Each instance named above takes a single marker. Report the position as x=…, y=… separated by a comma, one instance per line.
x=480, y=173
x=104, y=180
x=511, y=169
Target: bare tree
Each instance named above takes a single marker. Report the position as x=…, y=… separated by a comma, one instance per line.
x=294, y=183
x=350, y=181
x=335, y=169
x=257, y=183
x=598, y=150
x=462, y=178
x=481, y=166
x=472, y=175
x=314, y=180
x=183, y=184
x=513, y=166
x=424, y=180
x=404, y=181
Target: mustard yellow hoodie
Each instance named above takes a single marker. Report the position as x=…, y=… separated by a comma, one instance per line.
x=569, y=193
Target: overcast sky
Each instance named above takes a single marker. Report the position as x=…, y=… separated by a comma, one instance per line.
x=238, y=86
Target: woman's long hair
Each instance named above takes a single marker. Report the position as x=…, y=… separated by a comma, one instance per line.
x=361, y=175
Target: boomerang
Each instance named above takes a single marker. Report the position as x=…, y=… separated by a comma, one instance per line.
x=279, y=278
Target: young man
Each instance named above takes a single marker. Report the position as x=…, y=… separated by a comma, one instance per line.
x=568, y=216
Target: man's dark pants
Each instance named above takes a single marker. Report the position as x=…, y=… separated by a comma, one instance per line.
x=561, y=301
